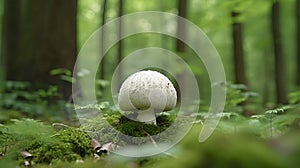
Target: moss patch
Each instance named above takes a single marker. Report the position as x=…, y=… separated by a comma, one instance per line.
x=107, y=128
x=67, y=145
x=140, y=129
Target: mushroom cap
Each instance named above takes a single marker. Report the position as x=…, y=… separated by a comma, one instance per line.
x=147, y=89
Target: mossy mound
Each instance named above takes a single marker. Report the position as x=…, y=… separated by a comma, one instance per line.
x=66, y=145
x=49, y=146
x=140, y=129
x=43, y=142
x=108, y=128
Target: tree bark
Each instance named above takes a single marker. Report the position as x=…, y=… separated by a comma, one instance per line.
x=238, y=54
x=103, y=20
x=181, y=32
x=298, y=44
x=10, y=36
x=279, y=61
x=48, y=41
x=120, y=43
x=180, y=45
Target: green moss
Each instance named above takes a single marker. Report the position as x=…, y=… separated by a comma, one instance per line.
x=67, y=145
x=140, y=129
x=80, y=141
x=47, y=153
x=107, y=128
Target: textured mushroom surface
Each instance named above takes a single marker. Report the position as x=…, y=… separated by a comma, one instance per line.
x=147, y=89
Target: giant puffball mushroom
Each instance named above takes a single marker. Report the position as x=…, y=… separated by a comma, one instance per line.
x=146, y=93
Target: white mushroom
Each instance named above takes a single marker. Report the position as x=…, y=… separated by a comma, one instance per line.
x=147, y=93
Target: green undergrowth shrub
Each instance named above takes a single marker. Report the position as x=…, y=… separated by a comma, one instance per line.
x=18, y=100
x=267, y=124
x=261, y=122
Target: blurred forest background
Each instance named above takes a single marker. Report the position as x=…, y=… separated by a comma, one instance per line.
x=258, y=41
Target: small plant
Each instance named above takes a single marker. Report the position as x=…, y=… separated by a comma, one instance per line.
x=237, y=94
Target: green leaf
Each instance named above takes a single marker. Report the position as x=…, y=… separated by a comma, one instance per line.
x=30, y=127
x=69, y=79
x=60, y=71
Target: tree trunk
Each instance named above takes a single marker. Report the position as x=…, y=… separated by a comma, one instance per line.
x=181, y=32
x=298, y=44
x=238, y=54
x=180, y=45
x=120, y=43
x=48, y=41
x=2, y=72
x=279, y=61
x=10, y=37
x=103, y=20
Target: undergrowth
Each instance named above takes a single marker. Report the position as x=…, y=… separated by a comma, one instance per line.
x=266, y=138
x=19, y=101
x=44, y=142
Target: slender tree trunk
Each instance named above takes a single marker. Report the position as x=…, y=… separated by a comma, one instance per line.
x=238, y=54
x=279, y=61
x=181, y=32
x=2, y=68
x=10, y=37
x=48, y=41
x=120, y=43
x=180, y=46
x=298, y=44
x=103, y=20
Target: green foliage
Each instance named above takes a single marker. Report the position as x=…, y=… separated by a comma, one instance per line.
x=236, y=94
x=21, y=134
x=278, y=110
x=43, y=103
x=294, y=97
x=270, y=123
x=65, y=74
x=230, y=150
x=244, y=144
